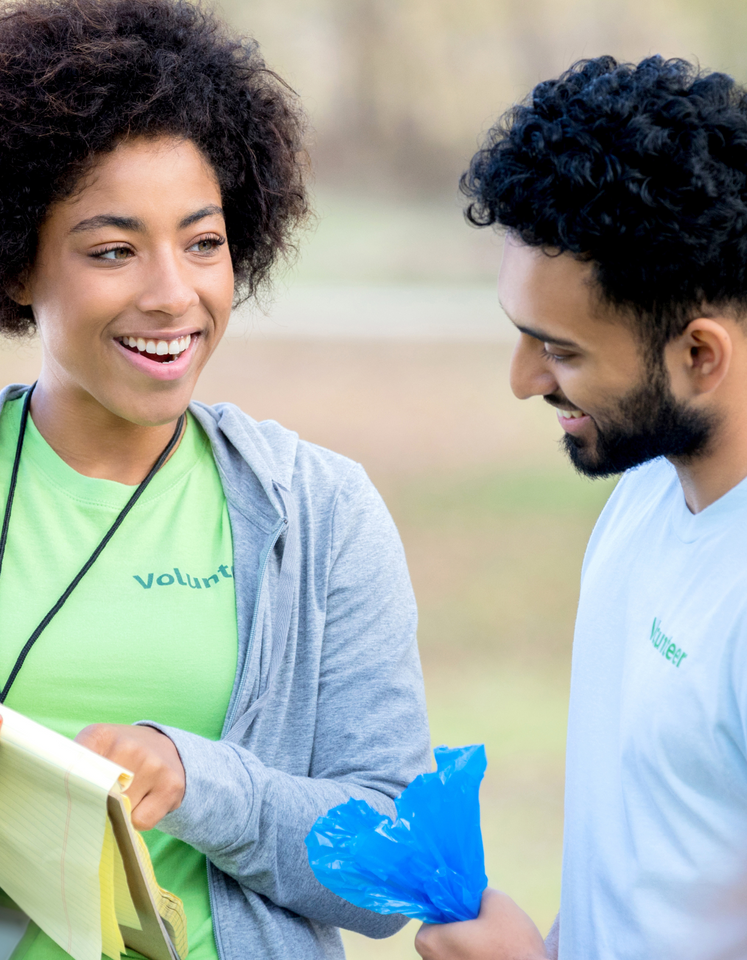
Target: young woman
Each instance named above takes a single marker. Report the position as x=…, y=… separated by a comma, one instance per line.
x=208, y=601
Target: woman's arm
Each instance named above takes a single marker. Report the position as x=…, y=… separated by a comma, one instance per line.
x=370, y=736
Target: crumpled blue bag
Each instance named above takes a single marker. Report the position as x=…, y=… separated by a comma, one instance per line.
x=429, y=863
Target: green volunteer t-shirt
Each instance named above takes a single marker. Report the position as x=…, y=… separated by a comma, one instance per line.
x=149, y=633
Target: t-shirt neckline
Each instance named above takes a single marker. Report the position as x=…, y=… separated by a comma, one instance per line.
x=102, y=492
x=690, y=526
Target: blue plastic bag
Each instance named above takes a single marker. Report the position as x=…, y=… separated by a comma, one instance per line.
x=429, y=863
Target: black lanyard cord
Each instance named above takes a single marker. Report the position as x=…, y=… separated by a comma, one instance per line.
x=96, y=553
x=14, y=474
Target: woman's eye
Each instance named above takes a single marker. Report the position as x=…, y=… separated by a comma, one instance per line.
x=207, y=244
x=114, y=253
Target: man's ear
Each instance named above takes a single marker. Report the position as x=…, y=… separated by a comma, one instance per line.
x=699, y=359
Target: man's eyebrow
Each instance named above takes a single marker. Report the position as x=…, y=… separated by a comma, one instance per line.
x=210, y=211
x=546, y=337
x=109, y=220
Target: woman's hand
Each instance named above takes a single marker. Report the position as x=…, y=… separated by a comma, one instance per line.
x=160, y=781
x=502, y=931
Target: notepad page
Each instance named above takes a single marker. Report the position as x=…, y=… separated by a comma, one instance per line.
x=170, y=908
x=123, y=905
x=53, y=795
x=112, y=944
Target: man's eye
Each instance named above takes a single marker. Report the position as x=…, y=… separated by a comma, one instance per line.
x=548, y=354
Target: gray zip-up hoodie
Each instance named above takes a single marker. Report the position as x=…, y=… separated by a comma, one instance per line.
x=328, y=700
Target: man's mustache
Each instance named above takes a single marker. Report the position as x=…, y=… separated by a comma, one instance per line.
x=557, y=400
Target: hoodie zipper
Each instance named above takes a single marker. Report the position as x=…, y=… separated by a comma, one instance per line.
x=282, y=524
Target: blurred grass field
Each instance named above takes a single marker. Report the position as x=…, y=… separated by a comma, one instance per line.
x=494, y=524
x=495, y=563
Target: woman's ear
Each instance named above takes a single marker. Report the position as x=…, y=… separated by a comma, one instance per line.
x=19, y=289
x=699, y=359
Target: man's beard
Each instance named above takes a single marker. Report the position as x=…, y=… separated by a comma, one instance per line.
x=648, y=422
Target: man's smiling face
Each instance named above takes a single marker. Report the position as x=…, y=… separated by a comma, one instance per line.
x=617, y=409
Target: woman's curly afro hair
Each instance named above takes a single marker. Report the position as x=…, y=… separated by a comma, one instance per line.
x=79, y=76
x=640, y=169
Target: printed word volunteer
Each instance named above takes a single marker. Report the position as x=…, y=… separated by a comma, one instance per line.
x=168, y=579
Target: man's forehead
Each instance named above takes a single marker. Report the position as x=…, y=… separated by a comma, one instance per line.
x=548, y=295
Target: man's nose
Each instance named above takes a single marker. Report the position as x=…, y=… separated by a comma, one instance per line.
x=529, y=375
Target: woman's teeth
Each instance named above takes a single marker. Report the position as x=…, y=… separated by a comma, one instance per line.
x=170, y=349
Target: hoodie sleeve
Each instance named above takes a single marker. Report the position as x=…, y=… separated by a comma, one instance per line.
x=370, y=738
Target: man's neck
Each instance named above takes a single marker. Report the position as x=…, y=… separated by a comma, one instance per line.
x=95, y=442
x=721, y=467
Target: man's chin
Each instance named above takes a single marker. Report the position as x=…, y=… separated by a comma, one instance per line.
x=586, y=459
x=647, y=424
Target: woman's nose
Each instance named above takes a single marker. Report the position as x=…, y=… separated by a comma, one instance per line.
x=529, y=376
x=168, y=288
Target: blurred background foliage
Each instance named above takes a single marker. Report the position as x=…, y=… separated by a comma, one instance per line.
x=398, y=92
x=386, y=343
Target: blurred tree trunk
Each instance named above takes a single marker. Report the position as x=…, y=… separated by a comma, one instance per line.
x=400, y=90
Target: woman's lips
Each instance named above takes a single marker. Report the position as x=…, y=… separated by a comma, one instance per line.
x=572, y=421
x=162, y=351
x=159, y=365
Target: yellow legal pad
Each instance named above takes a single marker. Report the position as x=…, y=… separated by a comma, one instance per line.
x=69, y=855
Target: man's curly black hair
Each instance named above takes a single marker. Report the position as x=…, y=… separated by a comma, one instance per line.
x=640, y=169
x=79, y=76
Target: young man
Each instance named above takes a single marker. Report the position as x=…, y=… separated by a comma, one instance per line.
x=624, y=193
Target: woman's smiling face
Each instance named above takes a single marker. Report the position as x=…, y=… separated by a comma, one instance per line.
x=132, y=284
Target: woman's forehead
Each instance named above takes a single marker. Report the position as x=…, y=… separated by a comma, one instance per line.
x=139, y=178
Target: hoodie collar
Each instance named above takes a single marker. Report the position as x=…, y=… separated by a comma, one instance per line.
x=249, y=466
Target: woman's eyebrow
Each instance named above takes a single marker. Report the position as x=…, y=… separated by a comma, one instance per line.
x=109, y=220
x=210, y=211
x=135, y=225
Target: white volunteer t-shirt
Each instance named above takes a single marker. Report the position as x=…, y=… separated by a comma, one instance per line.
x=655, y=848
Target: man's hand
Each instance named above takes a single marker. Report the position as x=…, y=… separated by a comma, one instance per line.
x=501, y=932
x=160, y=781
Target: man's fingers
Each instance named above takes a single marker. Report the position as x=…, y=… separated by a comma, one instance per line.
x=421, y=941
x=502, y=931
x=424, y=942
x=438, y=942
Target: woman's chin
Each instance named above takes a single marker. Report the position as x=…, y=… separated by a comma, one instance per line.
x=140, y=411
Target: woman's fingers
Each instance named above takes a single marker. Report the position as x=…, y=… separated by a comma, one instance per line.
x=159, y=779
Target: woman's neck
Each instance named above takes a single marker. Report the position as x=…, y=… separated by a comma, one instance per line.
x=96, y=442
